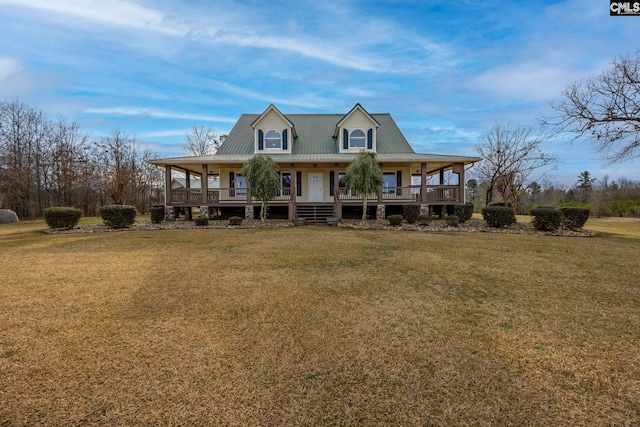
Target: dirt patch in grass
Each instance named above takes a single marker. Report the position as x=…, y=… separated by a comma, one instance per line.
x=317, y=326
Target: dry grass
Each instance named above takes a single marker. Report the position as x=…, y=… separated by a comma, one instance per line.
x=317, y=326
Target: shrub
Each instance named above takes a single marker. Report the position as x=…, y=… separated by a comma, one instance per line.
x=410, y=213
x=463, y=212
x=157, y=214
x=574, y=218
x=62, y=217
x=424, y=219
x=546, y=218
x=235, y=220
x=453, y=221
x=118, y=216
x=395, y=220
x=498, y=216
x=201, y=221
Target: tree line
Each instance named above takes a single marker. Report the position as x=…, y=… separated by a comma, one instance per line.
x=46, y=162
x=603, y=196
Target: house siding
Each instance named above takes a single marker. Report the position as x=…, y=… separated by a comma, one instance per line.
x=269, y=121
x=357, y=120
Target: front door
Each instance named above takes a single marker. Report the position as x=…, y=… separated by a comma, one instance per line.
x=315, y=187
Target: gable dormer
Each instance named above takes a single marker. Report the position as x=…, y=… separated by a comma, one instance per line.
x=273, y=132
x=357, y=131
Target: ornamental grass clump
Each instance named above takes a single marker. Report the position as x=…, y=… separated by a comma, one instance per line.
x=235, y=220
x=574, y=218
x=118, y=216
x=546, y=218
x=62, y=217
x=424, y=219
x=201, y=221
x=453, y=221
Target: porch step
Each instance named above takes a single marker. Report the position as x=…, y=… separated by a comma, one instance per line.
x=314, y=213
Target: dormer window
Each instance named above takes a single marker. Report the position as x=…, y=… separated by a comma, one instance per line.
x=272, y=140
x=357, y=139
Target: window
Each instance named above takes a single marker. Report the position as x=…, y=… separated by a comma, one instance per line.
x=286, y=184
x=357, y=139
x=241, y=186
x=389, y=183
x=272, y=140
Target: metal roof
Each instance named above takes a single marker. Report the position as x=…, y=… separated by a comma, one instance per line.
x=315, y=143
x=315, y=135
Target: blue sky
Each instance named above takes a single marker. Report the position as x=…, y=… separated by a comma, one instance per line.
x=446, y=71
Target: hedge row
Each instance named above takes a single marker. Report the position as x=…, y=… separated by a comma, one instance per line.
x=548, y=218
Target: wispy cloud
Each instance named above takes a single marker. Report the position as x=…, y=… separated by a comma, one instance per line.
x=113, y=12
x=157, y=114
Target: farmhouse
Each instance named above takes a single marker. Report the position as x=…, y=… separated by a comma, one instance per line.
x=313, y=152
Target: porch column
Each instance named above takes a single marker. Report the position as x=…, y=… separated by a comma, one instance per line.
x=294, y=191
x=380, y=188
x=459, y=169
x=294, y=188
x=205, y=184
x=187, y=183
x=248, y=192
x=337, y=208
x=167, y=185
x=423, y=182
x=442, y=176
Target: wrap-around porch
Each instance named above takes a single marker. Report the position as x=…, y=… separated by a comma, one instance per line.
x=304, y=185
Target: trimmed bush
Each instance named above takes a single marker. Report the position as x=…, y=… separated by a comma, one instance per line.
x=235, y=220
x=395, y=220
x=424, y=219
x=463, y=212
x=118, y=216
x=453, y=221
x=157, y=214
x=498, y=216
x=62, y=217
x=201, y=221
x=410, y=213
x=574, y=218
x=546, y=218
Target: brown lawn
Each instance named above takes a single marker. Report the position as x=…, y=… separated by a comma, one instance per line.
x=318, y=326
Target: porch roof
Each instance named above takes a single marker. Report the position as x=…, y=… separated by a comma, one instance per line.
x=434, y=161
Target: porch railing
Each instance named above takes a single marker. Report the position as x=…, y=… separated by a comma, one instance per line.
x=434, y=193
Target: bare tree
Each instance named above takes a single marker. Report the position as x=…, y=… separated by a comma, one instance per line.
x=117, y=153
x=23, y=135
x=201, y=141
x=511, y=154
x=604, y=109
